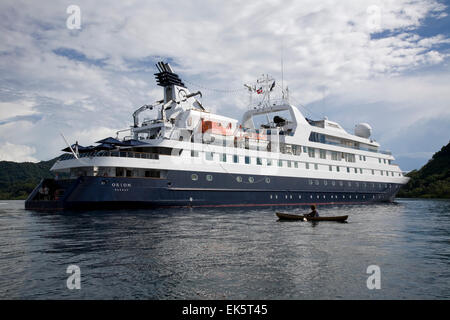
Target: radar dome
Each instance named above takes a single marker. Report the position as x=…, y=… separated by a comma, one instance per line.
x=363, y=130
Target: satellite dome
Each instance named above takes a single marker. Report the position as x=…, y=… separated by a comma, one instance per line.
x=363, y=130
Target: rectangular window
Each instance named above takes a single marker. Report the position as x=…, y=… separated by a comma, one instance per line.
x=194, y=153
x=373, y=171
x=311, y=152
x=364, y=157
x=316, y=166
x=223, y=157
x=280, y=163
x=259, y=161
x=307, y=165
x=304, y=149
x=349, y=157
x=381, y=171
x=331, y=168
x=356, y=170
x=323, y=154
x=209, y=156
x=348, y=170
x=288, y=164
x=269, y=162
x=152, y=173
x=337, y=168
x=235, y=158
x=379, y=160
x=334, y=155
x=296, y=150
x=360, y=170
x=295, y=164
x=247, y=160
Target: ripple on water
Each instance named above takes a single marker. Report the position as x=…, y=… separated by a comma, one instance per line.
x=227, y=253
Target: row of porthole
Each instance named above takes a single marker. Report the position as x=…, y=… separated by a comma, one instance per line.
x=341, y=183
x=318, y=196
x=239, y=179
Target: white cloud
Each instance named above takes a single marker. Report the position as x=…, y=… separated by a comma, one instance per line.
x=16, y=108
x=327, y=49
x=14, y=152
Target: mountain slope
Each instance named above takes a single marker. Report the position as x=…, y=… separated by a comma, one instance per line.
x=17, y=180
x=432, y=180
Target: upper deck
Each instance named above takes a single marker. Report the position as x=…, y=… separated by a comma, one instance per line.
x=272, y=131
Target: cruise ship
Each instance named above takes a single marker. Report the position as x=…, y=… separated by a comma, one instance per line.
x=187, y=156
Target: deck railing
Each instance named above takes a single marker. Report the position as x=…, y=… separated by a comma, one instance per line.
x=122, y=154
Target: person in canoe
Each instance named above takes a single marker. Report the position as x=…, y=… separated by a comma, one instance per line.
x=313, y=212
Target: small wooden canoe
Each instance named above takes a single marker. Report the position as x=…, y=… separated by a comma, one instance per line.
x=289, y=216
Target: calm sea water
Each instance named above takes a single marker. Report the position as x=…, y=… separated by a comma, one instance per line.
x=227, y=254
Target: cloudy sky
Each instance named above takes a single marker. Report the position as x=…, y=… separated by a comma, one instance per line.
x=381, y=62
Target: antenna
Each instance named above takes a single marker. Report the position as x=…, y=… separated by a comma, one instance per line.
x=282, y=71
x=70, y=147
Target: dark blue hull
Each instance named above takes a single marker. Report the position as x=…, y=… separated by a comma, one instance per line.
x=179, y=189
